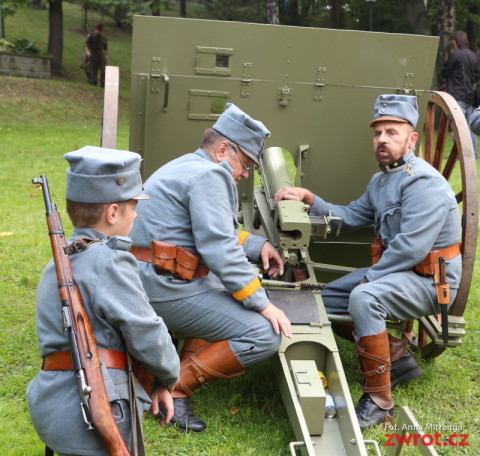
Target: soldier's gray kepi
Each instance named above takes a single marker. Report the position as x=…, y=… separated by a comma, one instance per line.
x=100, y=175
x=240, y=128
x=395, y=108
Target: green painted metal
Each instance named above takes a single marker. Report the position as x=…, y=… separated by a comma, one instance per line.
x=314, y=89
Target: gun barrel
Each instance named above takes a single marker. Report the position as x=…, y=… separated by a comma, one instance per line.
x=275, y=169
x=42, y=180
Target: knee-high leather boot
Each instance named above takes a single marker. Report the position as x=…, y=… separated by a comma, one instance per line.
x=191, y=346
x=404, y=365
x=146, y=379
x=213, y=362
x=376, y=402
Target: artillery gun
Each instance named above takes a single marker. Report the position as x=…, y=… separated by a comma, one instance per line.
x=314, y=89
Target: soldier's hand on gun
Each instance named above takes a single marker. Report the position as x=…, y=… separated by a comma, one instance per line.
x=295, y=194
x=271, y=260
x=278, y=319
x=163, y=396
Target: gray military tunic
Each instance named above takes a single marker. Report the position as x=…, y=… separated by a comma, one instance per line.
x=414, y=211
x=474, y=122
x=193, y=203
x=122, y=319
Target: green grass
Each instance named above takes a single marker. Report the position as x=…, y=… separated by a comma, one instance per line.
x=39, y=122
x=33, y=25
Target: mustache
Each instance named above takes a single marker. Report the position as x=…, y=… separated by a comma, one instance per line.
x=382, y=147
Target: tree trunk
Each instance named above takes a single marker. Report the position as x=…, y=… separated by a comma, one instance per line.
x=183, y=8
x=55, y=35
x=155, y=7
x=85, y=17
x=338, y=20
x=417, y=18
x=446, y=22
x=273, y=14
x=471, y=26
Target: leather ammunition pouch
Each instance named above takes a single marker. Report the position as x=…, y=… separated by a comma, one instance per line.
x=164, y=256
x=167, y=257
x=376, y=249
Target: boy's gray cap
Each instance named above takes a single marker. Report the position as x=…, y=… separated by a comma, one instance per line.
x=240, y=128
x=396, y=108
x=100, y=175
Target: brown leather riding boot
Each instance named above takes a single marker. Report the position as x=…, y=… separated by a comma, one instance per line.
x=376, y=402
x=191, y=346
x=213, y=362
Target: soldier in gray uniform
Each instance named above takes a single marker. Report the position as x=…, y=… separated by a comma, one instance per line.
x=103, y=187
x=474, y=124
x=414, y=213
x=201, y=282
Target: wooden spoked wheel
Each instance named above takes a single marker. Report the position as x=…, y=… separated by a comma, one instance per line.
x=444, y=117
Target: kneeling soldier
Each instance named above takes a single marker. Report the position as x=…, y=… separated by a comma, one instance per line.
x=103, y=188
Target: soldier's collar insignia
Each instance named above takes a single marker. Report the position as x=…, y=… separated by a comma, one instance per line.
x=397, y=165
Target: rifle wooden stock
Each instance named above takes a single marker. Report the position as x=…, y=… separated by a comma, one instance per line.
x=95, y=405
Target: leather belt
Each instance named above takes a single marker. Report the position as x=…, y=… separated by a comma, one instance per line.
x=62, y=360
x=141, y=253
x=426, y=267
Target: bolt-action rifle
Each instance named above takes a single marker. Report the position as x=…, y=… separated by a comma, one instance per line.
x=96, y=409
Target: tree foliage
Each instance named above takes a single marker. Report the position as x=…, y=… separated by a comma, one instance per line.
x=9, y=8
x=425, y=17
x=236, y=10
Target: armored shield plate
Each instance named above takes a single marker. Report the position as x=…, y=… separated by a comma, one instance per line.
x=313, y=88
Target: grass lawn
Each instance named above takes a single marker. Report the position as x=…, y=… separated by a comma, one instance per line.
x=42, y=120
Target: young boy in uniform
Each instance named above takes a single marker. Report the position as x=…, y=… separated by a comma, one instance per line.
x=103, y=187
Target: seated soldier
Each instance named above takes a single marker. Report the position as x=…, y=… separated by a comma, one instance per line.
x=414, y=211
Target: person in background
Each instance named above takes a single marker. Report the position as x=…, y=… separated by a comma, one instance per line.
x=96, y=51
x=462, y=72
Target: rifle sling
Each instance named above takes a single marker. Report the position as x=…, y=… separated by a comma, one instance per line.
x=79, y=245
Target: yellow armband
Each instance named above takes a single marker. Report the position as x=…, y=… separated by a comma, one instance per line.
x=242, y=236
x=247, y=291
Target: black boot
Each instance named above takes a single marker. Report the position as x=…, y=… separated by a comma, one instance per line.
x=404, y=365
x=184, y=418
x=369, y=413
x=405, y=369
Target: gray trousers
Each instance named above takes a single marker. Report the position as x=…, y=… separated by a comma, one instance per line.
x=467, y=111
x=399, y=296
x=215, y=316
